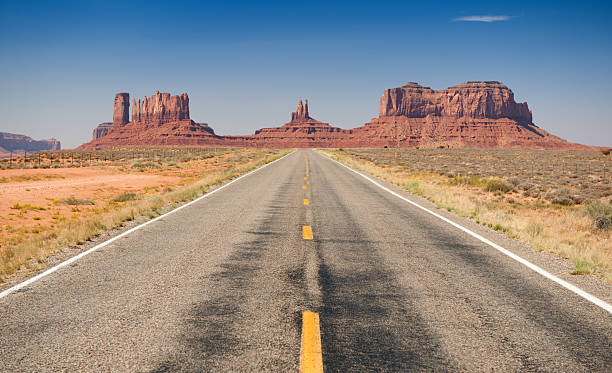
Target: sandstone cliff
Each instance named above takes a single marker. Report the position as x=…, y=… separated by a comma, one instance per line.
x=121, y=110
x=161, y=108
x=491, y=100
x=102, y=130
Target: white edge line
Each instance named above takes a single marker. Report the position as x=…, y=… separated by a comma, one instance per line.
x=591, y=298
x=67, y=262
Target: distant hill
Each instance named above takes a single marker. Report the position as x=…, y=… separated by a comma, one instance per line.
x=20, y=144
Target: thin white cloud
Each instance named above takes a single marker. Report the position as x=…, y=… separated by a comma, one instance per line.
x=483, y=18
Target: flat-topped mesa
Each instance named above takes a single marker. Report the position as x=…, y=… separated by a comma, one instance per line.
x=301, y=114
x=121, y=110
x=161, y=108
x=474, y=99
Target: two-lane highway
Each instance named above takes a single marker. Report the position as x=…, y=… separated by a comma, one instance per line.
x=223, y=285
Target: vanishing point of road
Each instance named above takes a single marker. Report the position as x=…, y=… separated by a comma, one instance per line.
x=306, y=265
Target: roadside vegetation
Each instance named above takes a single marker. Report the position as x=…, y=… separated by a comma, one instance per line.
x=556, y=201
x=51, y=208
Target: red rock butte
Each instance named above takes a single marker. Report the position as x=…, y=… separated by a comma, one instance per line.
x=161, y=119
x=471, y=114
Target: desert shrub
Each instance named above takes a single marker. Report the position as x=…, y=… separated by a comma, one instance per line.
x=74, y=201
x=469, y=180
x=143, y=165
x=532, y=192
x=601, y=214
x=514, y=181
x=123, y=197
x=497, y=186
x=534, y=229
x=562, y=196
x=605, y=152
x=583, y=267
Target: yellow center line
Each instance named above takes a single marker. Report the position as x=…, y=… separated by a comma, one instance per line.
x=307, y=232
x=304, y=187
x=306, y=202
x=311, y=356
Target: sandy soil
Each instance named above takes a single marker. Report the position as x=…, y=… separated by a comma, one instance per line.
x=42, y=189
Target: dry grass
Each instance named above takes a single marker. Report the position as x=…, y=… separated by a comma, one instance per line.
x=550, y=223
x=25, y=246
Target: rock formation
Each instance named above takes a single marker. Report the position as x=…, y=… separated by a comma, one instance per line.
x=472, y=114
x=121, y=110
x=161, y=119
x=301, y=114
x=301, y=132
x=19, y=144
x=490, y=100
x=102, y=130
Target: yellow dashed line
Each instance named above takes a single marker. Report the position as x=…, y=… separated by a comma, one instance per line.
x=307, y=232
x=311, y=356
x=306, y=202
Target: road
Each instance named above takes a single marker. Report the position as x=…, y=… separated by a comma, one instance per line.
x=222, y=284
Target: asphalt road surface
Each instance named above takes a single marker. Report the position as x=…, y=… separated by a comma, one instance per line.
x=221, y=285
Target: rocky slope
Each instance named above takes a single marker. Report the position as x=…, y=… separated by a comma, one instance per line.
x=18, y=144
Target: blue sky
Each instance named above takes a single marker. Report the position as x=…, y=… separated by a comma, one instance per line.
x=245, y=65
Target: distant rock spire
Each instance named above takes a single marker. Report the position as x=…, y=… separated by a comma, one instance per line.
x=301, y=114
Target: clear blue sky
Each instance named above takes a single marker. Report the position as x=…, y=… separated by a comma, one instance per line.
x=245, y=64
